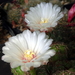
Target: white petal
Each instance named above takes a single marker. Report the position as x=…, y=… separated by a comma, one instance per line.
x=22, y=41
x=33, y=64
x=46, y=46
x=33, y=41
x=45, y=56
x=36, y=64
x=40, y=39
x=15, y=43
x=51, y=52
x=27, y=36
x=15, y=64
x=25, y=68
x=13, y=49
x=7, y=58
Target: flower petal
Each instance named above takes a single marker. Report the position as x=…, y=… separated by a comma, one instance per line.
x=15, y=64
x=24, y=68
x=7, y=58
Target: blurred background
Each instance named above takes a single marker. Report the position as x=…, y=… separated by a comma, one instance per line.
x=12, y=23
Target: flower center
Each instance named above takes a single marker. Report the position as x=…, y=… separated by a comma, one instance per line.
x=28, y=55
x=44, y=21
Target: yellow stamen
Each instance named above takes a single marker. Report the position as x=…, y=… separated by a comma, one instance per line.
x=44, y=21
x=28, y=55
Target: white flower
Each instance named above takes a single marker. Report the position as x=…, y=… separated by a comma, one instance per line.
x=27, y=50
x=43, y=16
